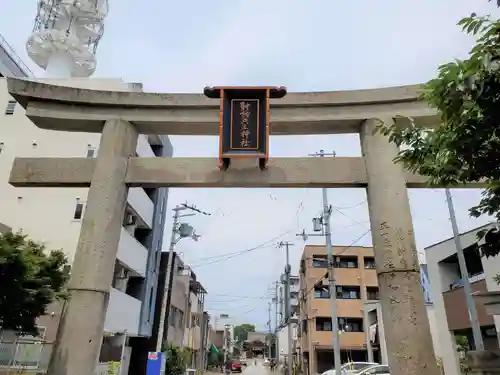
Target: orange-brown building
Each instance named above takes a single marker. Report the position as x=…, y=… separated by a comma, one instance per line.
x=354, y=275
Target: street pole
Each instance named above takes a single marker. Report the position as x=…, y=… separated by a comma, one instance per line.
x=174, y=239
x=476, y=328
x=288, y=307
x=269, y=342
x=331, y=276
x=227, y=339
x=276, y=323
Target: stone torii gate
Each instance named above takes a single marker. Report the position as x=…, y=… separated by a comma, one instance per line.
x=121, y=116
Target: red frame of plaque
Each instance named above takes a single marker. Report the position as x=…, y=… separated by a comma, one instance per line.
x=227, y=92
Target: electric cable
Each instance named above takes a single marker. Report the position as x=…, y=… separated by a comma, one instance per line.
x=223, y=257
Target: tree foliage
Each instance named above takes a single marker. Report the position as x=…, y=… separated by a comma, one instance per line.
x=177, y=360
x=241, y=332
x=30, y=278
x=465, y=147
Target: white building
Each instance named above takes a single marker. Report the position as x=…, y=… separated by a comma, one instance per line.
x=219, y=323
x=450, y=309
x=53, y=215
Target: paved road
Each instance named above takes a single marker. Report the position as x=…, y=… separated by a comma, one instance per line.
x=251, y=369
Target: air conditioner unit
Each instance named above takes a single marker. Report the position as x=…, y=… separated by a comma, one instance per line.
x=123, y=274
x=129, y=220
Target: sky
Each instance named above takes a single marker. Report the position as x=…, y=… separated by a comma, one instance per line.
x=182, y=46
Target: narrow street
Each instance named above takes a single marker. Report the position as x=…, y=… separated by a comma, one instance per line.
x=251, y=369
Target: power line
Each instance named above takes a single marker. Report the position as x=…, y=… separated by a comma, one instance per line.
x=227, y=256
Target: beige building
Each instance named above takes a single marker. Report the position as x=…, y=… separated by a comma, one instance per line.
x=355, y=274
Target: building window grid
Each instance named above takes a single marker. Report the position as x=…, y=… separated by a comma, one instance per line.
x=343, y=292
x=321, y=261
x=345, y=324
x=369, y=262
x=372, y=293
x=91, y=152
x=79, y=208
x=11, y=107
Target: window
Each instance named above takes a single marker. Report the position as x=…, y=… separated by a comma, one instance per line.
x=11, y=106
x=294, y=294
x=348, y=292
x=323, y=324
x=173, y=316
x=351, y=324
x=304, y=325
x=319, y=261
x=181, y=318
x=91, y=152
x=78, y=211
x=150, y=302
x=346, y=262
x=321, y=292
x=372, y=293
x=369, y=262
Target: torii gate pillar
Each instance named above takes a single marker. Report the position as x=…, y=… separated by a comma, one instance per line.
x=92, y=270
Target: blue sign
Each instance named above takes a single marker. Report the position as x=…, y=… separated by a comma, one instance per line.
x=155, y=361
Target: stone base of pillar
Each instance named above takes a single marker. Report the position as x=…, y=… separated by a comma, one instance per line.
x=484, y=362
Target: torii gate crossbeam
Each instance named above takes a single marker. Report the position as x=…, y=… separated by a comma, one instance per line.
x=121, y=116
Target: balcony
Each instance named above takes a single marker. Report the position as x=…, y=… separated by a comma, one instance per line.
x=142, y=205
x=131, y=253
x=458, y=318
x=123, y=313
x=144, y=148
x=348, y=340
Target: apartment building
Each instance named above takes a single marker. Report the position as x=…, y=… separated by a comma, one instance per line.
x=186, y=324
x=356, y=281
x=282, y=332
x=54, y=215
x=218, y=324
x=447, y=292
x=195, y=334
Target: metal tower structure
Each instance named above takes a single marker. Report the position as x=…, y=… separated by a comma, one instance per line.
x=66, y=35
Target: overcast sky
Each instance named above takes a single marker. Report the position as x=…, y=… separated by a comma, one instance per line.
x=319, y=45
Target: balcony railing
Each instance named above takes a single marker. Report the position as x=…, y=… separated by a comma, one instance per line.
x=132, y=253
x=123, y=313
x=142, y=205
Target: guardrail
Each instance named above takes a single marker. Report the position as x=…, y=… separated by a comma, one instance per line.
x=12, y=53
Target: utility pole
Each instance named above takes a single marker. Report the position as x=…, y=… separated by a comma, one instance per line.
x=179, y=231
x=325, y=221
x=276, y=301
x=471, y=306
x=288, y=308
x=269, y=341
x=227, y=339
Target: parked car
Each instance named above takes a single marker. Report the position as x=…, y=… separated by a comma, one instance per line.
x=236, y=366
x=352, y=368
x=376, y=370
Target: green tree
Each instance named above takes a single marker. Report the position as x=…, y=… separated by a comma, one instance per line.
x=241, y=332
x=465, y=147
x=31, y=278
x=177, y=360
